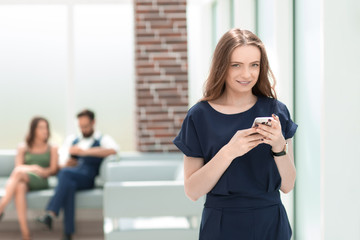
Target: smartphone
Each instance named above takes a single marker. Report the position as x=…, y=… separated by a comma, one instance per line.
x=262, y=120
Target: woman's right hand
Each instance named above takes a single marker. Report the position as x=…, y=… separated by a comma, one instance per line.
x=242, y=142
x=200, y=178
x=40, y=171
x=31, y=168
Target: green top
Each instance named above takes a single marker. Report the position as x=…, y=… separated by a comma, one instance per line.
x=41, y=159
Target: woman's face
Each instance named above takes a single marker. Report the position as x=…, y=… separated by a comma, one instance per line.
x=244, y=69
x=41, y=131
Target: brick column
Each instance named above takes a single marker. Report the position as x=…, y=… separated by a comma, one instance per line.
x=161, y=72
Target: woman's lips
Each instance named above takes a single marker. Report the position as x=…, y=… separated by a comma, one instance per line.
x=243, y=82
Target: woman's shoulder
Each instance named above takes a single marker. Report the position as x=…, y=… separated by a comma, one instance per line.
x=279, y=108
x=22, y=147
x=198, y=109
x=53, y=147
x=277, y=104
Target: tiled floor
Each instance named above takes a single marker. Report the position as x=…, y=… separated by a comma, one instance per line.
x=85, y=230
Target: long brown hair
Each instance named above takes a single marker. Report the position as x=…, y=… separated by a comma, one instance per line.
x=33, y=125
x=215, y=83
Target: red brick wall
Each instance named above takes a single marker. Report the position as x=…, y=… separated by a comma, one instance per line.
x=161, y=72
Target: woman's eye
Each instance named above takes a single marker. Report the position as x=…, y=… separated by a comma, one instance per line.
x=235, y=65
x=255, y=65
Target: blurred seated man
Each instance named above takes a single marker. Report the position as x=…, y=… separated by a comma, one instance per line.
x=85, y=154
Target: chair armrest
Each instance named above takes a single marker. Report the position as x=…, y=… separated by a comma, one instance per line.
x=150, y=198
x=7, y=162
x=102, y=177
x=141, y=170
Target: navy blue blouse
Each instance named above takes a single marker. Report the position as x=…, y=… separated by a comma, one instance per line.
x=205, y=131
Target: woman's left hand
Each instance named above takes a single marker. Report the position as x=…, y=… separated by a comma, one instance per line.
x=38, y=170
x=272, y=134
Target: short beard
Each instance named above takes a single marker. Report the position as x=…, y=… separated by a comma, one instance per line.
x=87, y=135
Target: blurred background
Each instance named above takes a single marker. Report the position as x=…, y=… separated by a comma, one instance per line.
x=141, y=64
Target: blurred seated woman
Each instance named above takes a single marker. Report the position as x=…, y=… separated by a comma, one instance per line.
x=35, y=161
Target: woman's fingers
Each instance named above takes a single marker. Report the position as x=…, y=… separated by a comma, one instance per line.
x=255, y=137
x=247, y=132
x=265, y=131
x=276, y=121
x=252, y=136
x=276, y=117
x=267, y=141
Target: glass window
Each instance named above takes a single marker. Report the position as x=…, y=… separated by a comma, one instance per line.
x=104, y=76
x=56, y=59
x=33, y=69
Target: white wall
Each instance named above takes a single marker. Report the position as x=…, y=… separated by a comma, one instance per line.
x=199, y=46
x=340, y=135
x=244, y=13
x=201, y=31
x=327, y=151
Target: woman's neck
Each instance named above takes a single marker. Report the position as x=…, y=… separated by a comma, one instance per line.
x=237, y=100
x=232, y=104
x=38, y=144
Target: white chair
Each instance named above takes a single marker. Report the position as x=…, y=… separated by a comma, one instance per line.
x=149, y=191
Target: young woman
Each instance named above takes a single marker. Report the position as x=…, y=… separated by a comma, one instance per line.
x=34, y=163
x=239, y=167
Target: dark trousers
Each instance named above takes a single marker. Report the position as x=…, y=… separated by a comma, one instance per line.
x=69, y=181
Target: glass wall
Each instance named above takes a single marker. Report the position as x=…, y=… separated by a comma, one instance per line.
x=58, y=58
x=274, y=26
x=33, y=69
x=309, y=82
x=104, y=68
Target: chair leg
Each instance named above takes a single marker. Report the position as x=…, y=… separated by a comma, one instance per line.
x=193, y=221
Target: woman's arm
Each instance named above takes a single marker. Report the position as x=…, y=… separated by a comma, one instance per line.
x=285, y=164
x=286, y=167
x=199, y=179
x=19, y=159
x=54, y=161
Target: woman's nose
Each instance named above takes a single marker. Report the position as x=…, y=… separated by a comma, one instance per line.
x=246, y=72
